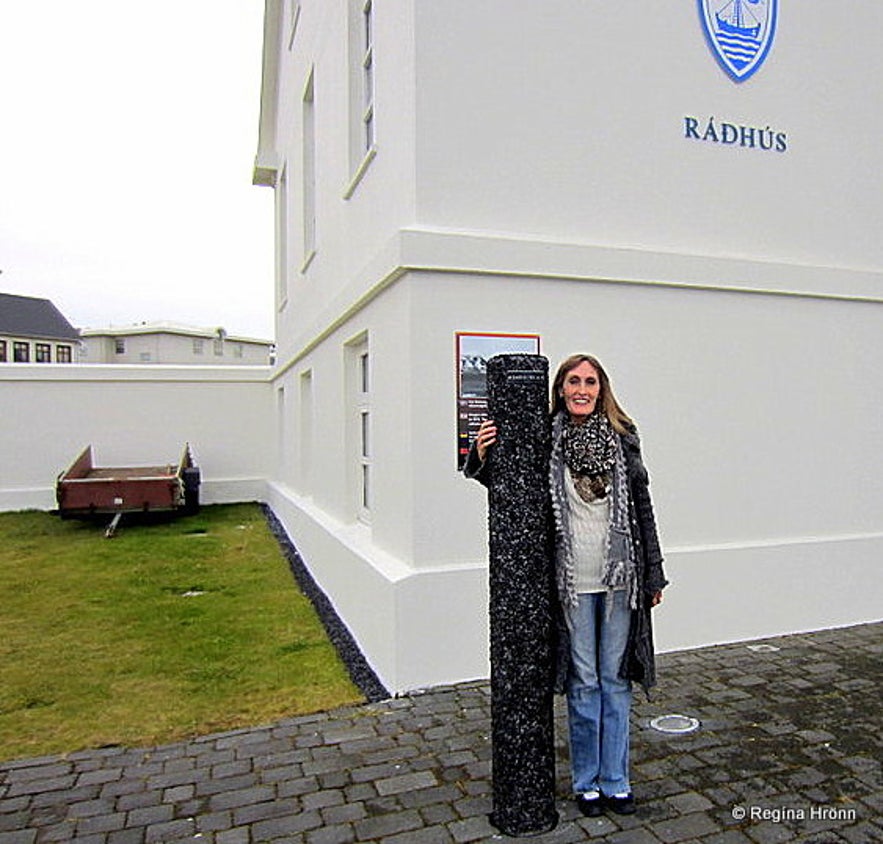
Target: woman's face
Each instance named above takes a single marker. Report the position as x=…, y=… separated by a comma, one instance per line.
x=580, y=391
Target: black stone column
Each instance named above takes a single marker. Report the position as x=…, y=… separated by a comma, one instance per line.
x=521, y=594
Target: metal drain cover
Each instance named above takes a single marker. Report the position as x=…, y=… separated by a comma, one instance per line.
x=676, y=724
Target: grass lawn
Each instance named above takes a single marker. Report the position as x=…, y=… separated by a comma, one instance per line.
x=168, y=630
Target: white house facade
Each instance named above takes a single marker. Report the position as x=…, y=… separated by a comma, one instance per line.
x=609, y=178
x=169, y=343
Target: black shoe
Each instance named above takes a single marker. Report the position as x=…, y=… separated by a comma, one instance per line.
x=591, y=807
x=621, y=805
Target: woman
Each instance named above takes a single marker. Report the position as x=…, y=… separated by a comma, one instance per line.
x=608, y=570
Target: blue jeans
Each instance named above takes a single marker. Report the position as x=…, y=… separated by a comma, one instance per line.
x=598, y=700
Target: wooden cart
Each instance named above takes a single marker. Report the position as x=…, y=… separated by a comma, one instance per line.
x=87, y=490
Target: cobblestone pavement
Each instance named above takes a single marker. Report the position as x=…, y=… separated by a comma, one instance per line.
x=788, y=749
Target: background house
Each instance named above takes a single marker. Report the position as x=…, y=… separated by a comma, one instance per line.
x=168, y=343
x=590, y=174
x=34, y=331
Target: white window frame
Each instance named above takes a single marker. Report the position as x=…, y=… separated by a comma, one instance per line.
x=359, y=427
x=305, y=431
x=363, y=123
x=282, y=238
x=309, y=170
x=293, y=19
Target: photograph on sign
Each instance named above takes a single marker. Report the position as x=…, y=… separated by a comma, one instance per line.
x=474, y=350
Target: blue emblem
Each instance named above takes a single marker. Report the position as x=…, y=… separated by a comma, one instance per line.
x=740, y=33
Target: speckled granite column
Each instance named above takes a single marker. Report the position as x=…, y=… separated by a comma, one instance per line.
x=520, y=597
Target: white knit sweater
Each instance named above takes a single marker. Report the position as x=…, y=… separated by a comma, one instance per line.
x=589, y=523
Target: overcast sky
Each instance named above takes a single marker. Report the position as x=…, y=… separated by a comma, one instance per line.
x=127, y=138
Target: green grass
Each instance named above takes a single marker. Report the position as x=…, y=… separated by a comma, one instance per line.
x=168, y=630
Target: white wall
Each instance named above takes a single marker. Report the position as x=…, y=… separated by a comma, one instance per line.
x=565, y=120
x=356, y=219
x=133, y=415
x=533, y=173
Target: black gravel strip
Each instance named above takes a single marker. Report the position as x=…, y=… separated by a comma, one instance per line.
x=359, y=670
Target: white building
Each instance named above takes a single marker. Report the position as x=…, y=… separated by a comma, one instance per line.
x=169, y=343
x=589, y=173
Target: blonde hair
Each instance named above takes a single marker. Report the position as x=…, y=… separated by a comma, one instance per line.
x=619, y=419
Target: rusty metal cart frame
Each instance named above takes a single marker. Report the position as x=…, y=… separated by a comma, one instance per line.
x=84, y=490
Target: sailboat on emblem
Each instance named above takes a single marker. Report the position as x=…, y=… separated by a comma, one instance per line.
x=733, y=19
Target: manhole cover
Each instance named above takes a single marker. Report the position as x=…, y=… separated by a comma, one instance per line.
x=677, y=724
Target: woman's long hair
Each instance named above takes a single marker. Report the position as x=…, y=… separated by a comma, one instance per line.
x=621, y=421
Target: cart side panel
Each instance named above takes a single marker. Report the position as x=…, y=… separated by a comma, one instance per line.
x=112, y=495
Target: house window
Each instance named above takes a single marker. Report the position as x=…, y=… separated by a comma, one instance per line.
x=198, y=345
x=2, y=351
x=361, y=89
x=305, y=445
x=120, y=345
x=309, y=170
x=21, y=352
x=63, y=354
x=293, y=18
x=368, y=75
x=282, y=239
x=43, y=353
x=237, y=350
x=362, y=408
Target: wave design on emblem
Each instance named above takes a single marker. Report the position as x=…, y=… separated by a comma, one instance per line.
x=740, y=51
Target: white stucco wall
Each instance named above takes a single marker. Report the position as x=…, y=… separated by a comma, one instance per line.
x=566, y=121
x=133, y=415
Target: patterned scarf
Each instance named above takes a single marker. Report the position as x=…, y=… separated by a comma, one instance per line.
x=606, y=459
x=590, y=454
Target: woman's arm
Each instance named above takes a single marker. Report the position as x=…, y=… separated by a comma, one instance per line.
x=639, y=484
x=476, y=466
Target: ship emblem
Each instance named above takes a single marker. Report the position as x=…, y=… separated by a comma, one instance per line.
x=739, y=32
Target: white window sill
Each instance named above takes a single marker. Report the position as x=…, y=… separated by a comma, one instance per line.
x=307, y=261
x=360, y=172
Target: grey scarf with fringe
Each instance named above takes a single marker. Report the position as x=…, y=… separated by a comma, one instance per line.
x=593, y=453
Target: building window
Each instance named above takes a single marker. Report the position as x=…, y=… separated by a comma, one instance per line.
x=198, y=345
x=282, y=239
x=3, y=351
x=218, y=346
x=309, y=170
x=21, y=352
x=237, y=350
x=365, y=436
x=293, y=18
x=368, y=75
x=363, y=401
x=359, y=438
x=63, y=354
x=361, y=82
x=43, y=353
x=305, y=445
x=120, y=345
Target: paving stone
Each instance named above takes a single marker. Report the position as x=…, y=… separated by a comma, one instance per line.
x=387, y=824
x=406, y=782
x=792, y=728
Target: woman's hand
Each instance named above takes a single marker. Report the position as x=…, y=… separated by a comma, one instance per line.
x=486, y=437
x=656, y=600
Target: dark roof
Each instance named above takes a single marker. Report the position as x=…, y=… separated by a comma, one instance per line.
x=24, y=316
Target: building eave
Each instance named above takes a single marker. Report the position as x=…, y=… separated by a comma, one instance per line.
x=266, y=164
